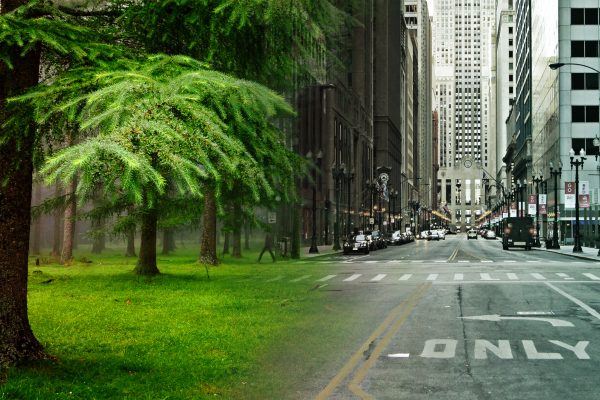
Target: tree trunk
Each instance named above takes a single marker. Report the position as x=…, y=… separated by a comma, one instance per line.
x=36, y=236
x=69, y=224
x=130, y=252
x=237, y=232
x=208, y=249
x=99, y=239
x=168, y=241
x=17, y=341
x=146, y=264
x=57, y=234
x=246, y=237
x=226, y=244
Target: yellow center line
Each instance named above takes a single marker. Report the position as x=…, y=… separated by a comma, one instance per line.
x=396, y=318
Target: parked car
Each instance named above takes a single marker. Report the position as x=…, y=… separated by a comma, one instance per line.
x=471, y=234
x=377, y=240
x=424, y=235
x=442, y=234
x=490, y=234
x=433, y=235
x=357, y=244
x=397, y=238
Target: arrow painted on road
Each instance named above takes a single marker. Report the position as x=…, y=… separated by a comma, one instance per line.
x=498, y=318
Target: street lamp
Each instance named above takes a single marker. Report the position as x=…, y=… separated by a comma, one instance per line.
x=556, y=174
x=393, y=197
x=537, y=181
x=349, y=177
x=338, y=172
x=317, y=159
x=577, y=163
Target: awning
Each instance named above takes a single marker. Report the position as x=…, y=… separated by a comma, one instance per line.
x=485, y=214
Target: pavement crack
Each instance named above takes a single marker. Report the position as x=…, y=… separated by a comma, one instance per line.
x=459, y=296
x=367, y=353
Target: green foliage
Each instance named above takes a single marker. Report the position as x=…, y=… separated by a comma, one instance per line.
x=39, y=23
x=165, y=117
x=275, y=42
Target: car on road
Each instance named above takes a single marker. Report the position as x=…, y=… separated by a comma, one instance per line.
x=442, y=234
x=518, y=232
x=471, y=234
x=433, y=235
x=357, y=244
x=489, y=234
x=377, y=240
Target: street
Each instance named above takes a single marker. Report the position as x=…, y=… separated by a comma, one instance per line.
x=454, y=319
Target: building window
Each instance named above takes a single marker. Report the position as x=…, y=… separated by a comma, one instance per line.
x=584, y=16
x=584, y=48
x=584, y=114
x=577, y=16
x=584, y=81
x=587, y=144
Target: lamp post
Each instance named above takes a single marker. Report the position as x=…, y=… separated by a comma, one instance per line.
x=555, y=173
x=537, y=180
x=317, y=159
x=337, y=171
x=577, y=163
x=393, y=197
x=349, y=177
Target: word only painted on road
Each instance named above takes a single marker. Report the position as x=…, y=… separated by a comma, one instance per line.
x=502, y=349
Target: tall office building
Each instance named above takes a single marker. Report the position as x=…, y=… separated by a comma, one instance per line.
x=416, y=15
x=463, y=31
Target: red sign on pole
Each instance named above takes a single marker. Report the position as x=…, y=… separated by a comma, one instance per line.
x=569, y=187
x=543, y=209
x=584, y=201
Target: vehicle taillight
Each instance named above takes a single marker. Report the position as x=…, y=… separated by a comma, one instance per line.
x=532, y=231
x=507, y=231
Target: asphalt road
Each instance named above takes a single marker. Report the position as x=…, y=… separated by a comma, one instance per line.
x=454, y=319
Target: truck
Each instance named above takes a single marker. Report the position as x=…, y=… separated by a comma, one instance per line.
x=518, y=232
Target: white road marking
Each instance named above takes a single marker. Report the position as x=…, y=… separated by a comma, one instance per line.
x=487, y=277
x=497, y=318
x=464, y=261
x=440, y=261
x=399, y=355
x=533, y=354
x=563, y=275
x=370, y=262
x=510, y=261
x=459, y=277
x=501, y=351
x=353, y=277
x=578, y=349
x=538, y=276
x=417, y=261
x=432, y=277
x=487, y=261
x=393, y=261
x=512, y=277
x=580, y=303
x=535, y=313
x=300, y=279
x=328, y=277
x=379, y=277
x=533, y=261
x=449, y=348
x=592, y=277
x=405, y=277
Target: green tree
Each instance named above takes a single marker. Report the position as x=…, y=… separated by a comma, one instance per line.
x=26, y=29
x=163, y=119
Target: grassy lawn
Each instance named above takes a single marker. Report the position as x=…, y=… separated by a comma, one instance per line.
x=180, y=335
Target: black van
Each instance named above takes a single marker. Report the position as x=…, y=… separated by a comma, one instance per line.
x=518, y=232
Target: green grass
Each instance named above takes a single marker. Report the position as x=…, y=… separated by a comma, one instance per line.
x=180, y=335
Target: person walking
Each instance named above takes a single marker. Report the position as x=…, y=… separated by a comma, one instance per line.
x=267, y=247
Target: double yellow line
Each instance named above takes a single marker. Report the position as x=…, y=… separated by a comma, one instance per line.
x=392, y=325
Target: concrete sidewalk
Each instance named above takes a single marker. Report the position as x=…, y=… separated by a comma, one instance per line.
x=588, y=253
x=325, y=249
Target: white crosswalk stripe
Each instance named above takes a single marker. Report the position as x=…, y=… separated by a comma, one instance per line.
x=564, y=276
x=592, y=277
x=538, y=276
x=328, y=277
x=379, y=277
x=511, y=276
x=432, y=277
x=405, y=277
x=459, y=277
x=300, y=279
x=353, y=277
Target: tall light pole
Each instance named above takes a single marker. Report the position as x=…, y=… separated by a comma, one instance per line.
x=577, y=163
x=349, y=177
x=537, y=180
x=317, y=164
x=556, y=174
x=337, y=170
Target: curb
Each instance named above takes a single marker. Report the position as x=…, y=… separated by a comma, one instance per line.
x=574, y=255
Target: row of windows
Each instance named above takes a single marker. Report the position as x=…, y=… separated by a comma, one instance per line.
x=584, y=16
x=584, y=81
x=585, y=114
x=584, y=48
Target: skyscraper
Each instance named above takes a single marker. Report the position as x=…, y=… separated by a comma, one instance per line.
x=462, y=50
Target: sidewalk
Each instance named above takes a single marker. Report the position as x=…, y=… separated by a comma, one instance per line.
x=325, y=249
x=588, y=253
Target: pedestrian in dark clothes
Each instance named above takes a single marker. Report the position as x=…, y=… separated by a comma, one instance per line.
x=268, y=247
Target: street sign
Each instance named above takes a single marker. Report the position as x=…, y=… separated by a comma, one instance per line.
x=272, y=217
x=570, y=195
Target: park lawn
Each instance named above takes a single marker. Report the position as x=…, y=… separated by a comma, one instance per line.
x=180, y=335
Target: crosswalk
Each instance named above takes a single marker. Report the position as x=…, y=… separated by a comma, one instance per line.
x=445, y=277
x=445, y=261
